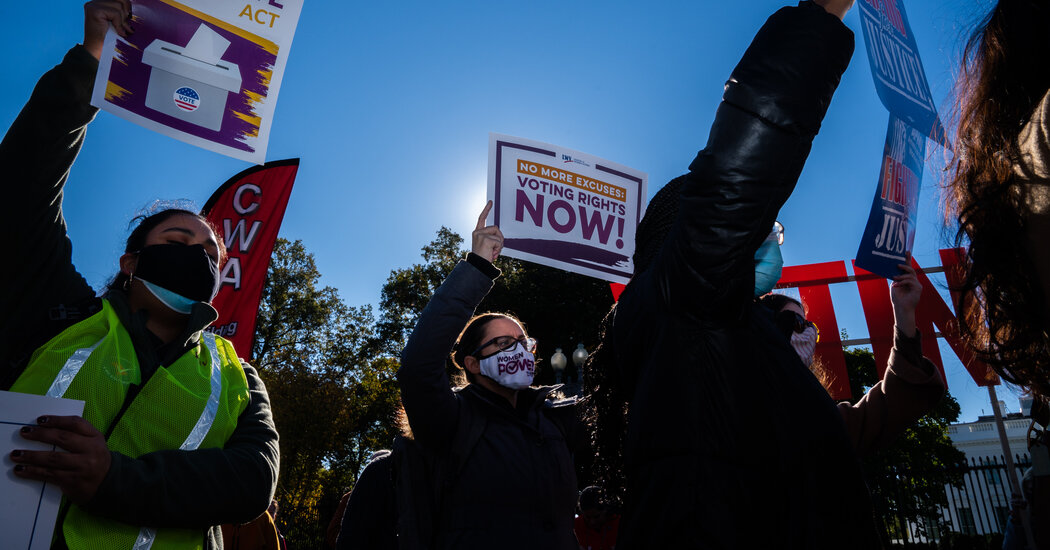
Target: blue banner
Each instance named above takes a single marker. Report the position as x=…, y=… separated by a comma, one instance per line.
x=890, y=233
x=896, y=66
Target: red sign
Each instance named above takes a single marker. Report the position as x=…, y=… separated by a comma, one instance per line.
x=813, y=283
x=248, y=210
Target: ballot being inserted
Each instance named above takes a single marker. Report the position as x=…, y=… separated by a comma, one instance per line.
x=28, y=509
x=191, y=82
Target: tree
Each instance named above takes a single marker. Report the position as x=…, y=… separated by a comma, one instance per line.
x=559, y=309
x=332, y=397
x=907, y=479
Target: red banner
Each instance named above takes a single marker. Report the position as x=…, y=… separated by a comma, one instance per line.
x=816, y=299
x=248, y=210
x=813, y=282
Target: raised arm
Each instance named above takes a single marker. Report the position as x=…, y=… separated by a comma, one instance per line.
x=430, y=404
x=771, y=110
x=35, y=156
x=911, y=385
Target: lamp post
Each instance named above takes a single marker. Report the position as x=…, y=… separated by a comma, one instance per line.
x=558, y=363
x=579, y=357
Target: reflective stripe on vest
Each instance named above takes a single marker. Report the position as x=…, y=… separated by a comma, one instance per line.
x=69, y=371
x=148, y=534
x=95, y=361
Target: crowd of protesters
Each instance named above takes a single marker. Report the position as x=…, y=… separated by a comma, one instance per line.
x=177, y=448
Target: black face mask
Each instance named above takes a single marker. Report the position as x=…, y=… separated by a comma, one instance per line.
x=185, y=270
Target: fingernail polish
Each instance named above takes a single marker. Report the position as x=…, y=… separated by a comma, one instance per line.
x=20, y=468
x=26, y=429
x=16, y=454
x=41, y=420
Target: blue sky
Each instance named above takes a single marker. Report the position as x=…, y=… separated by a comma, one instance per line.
x=389, y=106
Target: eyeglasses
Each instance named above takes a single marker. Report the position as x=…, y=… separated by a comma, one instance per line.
x=798, y=323
x=506, y=343
x=778, y=229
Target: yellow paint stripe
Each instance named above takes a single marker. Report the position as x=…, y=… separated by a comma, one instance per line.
x=256, y=39
x=114, y=92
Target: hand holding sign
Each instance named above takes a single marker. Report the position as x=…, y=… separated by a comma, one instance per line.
x=904, y=295
x=838, y=8
x=487, y=241
x=80, y=470
x=98, y=14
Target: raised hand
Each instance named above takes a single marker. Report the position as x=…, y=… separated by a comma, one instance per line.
x=838, y=8
x=80, y=470
x=904, y=295
x=98, y=15
x=486, y=241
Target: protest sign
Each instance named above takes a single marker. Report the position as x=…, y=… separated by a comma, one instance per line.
x=890, y=232
x=563, y=208
x=248, y=209
x=29, y=509
x=206, y=72
x=893, y=56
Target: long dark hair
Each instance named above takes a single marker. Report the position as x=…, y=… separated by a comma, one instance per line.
x=468, y=341
x=606, y=406
x=145, y=222
x=1001, y=81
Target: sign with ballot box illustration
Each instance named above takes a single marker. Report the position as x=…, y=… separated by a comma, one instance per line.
x=191, y=82
x=206, y=72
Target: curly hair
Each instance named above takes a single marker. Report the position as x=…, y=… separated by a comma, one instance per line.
x=1001, y=81
x=606, y=405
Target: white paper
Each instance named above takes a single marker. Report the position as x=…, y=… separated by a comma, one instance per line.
x=206, y=45
x=28, y=509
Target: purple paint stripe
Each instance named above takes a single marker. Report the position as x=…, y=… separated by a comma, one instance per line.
x=638, y=191
x=618, y=173
x=499, y=169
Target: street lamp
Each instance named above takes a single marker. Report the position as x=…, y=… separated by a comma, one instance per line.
x=558, y=363
x=579, y=357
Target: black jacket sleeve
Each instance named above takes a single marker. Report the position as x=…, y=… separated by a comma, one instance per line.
x=429, y=402
x=198, y=488
x=770, y=112
x=35, y=158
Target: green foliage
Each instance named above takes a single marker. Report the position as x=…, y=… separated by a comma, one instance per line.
x=559, y=309
x=907, y=479
x=333, y=399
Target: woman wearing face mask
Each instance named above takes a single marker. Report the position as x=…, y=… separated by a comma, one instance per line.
x=909, y=388
x=516, y=487
x=176, y=437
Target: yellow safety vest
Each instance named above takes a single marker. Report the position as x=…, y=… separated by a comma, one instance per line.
x=191, y=404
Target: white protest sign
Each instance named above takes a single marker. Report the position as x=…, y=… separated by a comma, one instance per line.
x=206, y=72
x=28, y=509
x=563, y=208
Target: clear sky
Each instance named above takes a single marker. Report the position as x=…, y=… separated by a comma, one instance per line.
x=389, y=106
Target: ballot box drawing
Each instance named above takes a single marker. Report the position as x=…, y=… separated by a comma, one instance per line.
x=191, y=82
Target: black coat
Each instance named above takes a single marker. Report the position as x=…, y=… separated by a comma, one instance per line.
x=731, y=442
x=517, y=486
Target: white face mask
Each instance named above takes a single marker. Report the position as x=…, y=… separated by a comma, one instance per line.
x=805, y=343
x=512, y=369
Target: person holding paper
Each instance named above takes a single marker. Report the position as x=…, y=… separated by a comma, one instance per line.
x=727, y=440
x=513, y=484
x=177, y=436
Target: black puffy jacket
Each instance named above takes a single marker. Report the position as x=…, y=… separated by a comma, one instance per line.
x=731, y=442
x=516, y=487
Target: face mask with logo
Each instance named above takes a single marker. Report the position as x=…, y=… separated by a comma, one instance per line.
x=178, y=275
x=512, y=369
